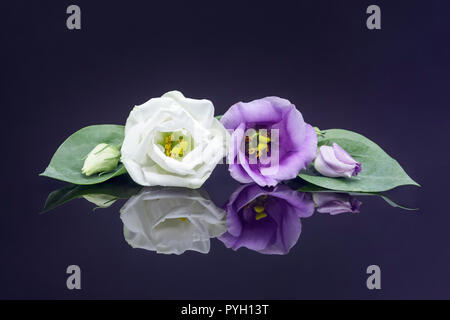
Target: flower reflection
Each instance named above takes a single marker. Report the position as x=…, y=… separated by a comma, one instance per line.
x=266, y=220
x=172, y=220
x=335, y=203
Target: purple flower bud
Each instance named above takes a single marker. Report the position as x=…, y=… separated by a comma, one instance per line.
x=335, y=203
x=336, y=162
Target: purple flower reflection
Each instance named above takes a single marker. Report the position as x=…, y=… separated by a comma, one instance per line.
x=335, y=203
x=266, y=220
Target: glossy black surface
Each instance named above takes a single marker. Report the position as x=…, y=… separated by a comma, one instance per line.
x=389, y=85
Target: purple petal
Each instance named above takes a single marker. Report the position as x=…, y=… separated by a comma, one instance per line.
x=358, y=169
x=288, y=233
x=345, y=157
x=232, y=118
x=337, y=167
x=257, y=111
x=291, y=162
x=342, y=155
x=256, y=236
x=300, y=201
x=255, y=174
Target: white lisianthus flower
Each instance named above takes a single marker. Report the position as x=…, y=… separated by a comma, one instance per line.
x=172, y=220
x=173, y=141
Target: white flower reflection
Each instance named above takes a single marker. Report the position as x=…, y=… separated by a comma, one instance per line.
x=172, y=220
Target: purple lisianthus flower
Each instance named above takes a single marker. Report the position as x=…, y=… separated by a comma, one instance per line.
x=335, y=203
x=266, y=220
x=334, y=162
x=270, y=141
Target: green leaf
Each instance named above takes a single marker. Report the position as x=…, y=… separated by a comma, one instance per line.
x=68, y=160
x=120, y=188
x=379, y=173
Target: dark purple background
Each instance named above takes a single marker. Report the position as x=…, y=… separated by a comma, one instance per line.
x=391, y=85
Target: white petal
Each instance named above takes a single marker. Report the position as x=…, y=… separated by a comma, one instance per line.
x=202, y=110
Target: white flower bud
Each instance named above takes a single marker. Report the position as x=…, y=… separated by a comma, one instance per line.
x=103, y=158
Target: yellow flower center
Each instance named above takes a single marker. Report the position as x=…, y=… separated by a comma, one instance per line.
x=260, y=216
x=263, y=143
x=175, y=148
x=259, y=207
